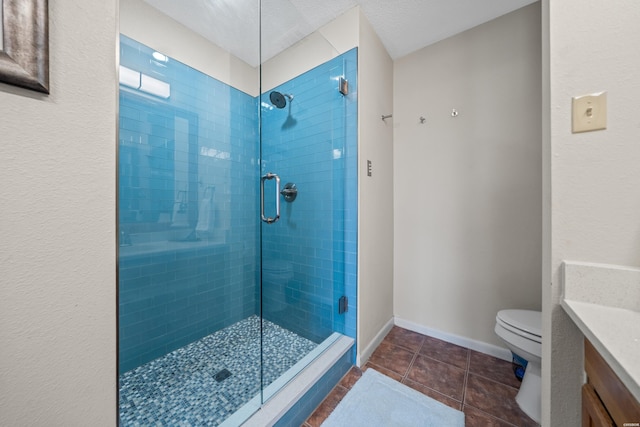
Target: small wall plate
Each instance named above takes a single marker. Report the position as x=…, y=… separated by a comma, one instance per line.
x=589, y=112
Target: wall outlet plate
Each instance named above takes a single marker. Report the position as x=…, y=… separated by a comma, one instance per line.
x=589, y=112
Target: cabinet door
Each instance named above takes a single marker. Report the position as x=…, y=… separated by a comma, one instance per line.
x=616, y=398
x=593, y=412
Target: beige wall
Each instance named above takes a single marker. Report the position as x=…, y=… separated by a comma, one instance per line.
x=147, y=25
x=152, y=28
x=375, y=192
x=467, y=190
x=595, y=176
x=58, y=281
x=333, y=39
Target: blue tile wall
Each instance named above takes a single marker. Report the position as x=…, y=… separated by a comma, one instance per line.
x=188, y=203
x=181, y=159
x=312, y=142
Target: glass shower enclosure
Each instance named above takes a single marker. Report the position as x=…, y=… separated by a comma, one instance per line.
x=236, y=217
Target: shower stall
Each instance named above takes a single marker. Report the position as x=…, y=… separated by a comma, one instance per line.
x=237, y=210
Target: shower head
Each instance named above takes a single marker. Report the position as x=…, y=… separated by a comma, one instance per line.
x=279, y=100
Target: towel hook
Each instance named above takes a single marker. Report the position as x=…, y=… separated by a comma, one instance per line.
x=388, y=116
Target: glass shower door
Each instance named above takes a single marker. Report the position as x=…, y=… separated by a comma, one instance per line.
x=220, y=304
x=303, y=141
x=189, y=321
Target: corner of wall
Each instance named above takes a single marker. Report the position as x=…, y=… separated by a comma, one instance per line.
x=333, y=39
x=546, y=217
x=375, y=190
x=149, y=26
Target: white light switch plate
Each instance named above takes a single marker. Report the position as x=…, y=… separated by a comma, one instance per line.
x=589, y=112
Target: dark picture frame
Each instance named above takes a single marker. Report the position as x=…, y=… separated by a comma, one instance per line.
x=24, y=54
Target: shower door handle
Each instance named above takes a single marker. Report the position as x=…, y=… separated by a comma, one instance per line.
x=264, y=178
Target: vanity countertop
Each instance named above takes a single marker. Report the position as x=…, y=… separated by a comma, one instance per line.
x=604, y=302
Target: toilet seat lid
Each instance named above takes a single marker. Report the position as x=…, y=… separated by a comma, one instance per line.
x=528, y=321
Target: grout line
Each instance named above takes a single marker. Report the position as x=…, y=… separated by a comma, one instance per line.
x=441, y=361
x=327, y=396
x=437, y=392
x=424, y=340
x=493, y=380
x=466, y=379
x=328, y=404
x=491, y=416
x=337, y=387
x=413, y=359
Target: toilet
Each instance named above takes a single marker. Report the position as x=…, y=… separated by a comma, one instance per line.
x=521, y=331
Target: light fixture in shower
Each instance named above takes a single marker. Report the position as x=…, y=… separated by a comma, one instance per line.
x=160, y=57
x=136, y=80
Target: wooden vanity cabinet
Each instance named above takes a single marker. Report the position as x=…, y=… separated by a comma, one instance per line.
x=605, y=400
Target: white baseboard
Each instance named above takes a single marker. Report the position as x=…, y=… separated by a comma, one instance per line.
x=362, y=358
x=482, y=347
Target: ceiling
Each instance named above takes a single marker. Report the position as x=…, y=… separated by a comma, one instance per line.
x=403, y=26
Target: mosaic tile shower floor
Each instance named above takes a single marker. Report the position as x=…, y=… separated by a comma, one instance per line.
x=180, y=389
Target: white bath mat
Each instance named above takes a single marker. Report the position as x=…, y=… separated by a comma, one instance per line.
x=377, y=400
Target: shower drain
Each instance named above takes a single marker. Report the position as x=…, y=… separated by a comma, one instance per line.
x=222, y=375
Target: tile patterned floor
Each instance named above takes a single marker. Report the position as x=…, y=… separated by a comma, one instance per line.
x=180, y=389
x=481, y=386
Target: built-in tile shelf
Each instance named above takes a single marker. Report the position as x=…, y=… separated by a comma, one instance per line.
x=167, y=247
x=603, y=300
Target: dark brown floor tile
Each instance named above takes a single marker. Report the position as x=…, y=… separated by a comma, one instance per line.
x=476, y=418
x=351, y=377
x=442, y=377
x=392, y=357
x=445, y=352
x=393, y=375
x=455, y=404
x=493, y=368
x=498, y=400
x=327, y=406
x=405, y=338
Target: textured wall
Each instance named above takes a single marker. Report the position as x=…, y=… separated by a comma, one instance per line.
x=467, y=190
x=594, y=176
x=375, y=213
x=58, y=302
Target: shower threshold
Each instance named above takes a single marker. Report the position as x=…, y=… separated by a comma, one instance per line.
x=290, y=388
x=186, y=387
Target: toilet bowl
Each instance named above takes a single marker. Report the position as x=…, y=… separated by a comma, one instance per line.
x=521, y=331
